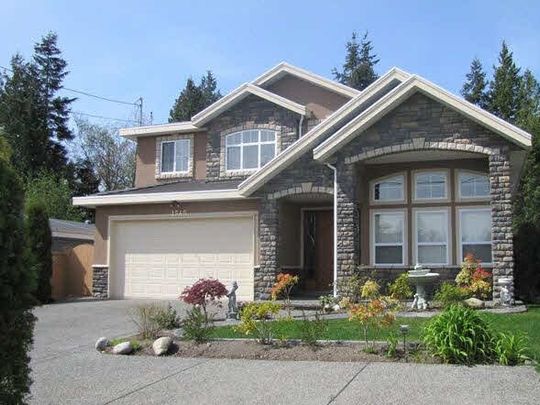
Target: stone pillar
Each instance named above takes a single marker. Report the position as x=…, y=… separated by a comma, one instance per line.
x=100, y=281
x=501, y=213
x=347, y=220
x=265, y=273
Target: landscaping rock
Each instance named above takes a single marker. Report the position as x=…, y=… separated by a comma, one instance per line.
x=162, y=345
x=122, y=348
x=102, y=343
x=474, y=303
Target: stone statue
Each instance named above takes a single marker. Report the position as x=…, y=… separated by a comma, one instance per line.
x=233, y=307
x=505, y=296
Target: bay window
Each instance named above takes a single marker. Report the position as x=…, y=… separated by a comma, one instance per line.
x=432, y=185
x=475, y=233
x=389, y=237
x=431, y=237
x=250, y=149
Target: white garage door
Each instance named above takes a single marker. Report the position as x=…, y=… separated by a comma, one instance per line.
x=159, y=258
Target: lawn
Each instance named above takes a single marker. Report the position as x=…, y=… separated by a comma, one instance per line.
x=343, y=329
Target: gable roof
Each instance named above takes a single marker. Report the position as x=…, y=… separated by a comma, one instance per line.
x=402, y=92
x=308, y=141
x=284, y=68
x=238, y=95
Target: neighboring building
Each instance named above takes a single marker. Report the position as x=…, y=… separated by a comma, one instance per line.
x=252, y=184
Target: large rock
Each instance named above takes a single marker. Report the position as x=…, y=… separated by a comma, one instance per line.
x=474, y=303
x=102, y=343
x=162, y=345
x=122, y=348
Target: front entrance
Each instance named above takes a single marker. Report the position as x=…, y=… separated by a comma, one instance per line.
x=318, y=250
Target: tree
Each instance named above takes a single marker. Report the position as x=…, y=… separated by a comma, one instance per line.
x=195, y=98
x=5, y=148
x=17, y=282
x=39, y=241
x=474, y=89
x=113, y=158
x=359, y=67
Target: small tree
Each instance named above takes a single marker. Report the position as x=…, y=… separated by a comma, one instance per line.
x=39, y=241
x=283, y=286
x=202, y=293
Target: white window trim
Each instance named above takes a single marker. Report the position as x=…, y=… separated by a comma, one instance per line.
x=160, y=175
x=446, y=173
x=404, y=244
x=459, y=197
x=373, y=182
x=474, y=208
x=444, y=210
x=241, y=146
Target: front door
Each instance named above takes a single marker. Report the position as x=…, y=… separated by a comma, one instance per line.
x=318, y=250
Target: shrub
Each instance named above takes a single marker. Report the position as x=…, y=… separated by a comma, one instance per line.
x=351, y=287
x=510, y=349
x=459, y=335
x=167, y=318
x=449, y=294
x=400, y=288
x=327, y=302
x=39, y=241
x=144, y=317
x=204, y=292
x=196, y=326
x=255, y=320
x=473, y=278
x=312, y=330
x=391, y=345
x=375, y=313
x=283, y=287
x=370, y=289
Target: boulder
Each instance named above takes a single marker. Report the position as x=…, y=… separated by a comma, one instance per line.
x=102, y=343
x=474, y=303
x=122, y=348
x=162, y=345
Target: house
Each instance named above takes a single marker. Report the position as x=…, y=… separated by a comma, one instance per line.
x=72, y=251
x=294, y=172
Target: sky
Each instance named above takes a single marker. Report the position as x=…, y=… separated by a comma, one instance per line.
x=130, y=49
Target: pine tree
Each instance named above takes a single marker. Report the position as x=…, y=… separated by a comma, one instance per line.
x=359, y=67
x=474, y=89
x=195, y=98
x=210, y=92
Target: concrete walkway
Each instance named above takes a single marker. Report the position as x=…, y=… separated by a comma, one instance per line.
x=67, y=370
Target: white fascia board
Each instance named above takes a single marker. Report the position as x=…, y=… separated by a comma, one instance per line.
x=155, y=198
x=239, y=94
x=285, y=68
x=302, y=145
x=162, y=129
x=404, y=91
x=71, y=235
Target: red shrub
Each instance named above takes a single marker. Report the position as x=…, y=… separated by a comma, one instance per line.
x=203, y=292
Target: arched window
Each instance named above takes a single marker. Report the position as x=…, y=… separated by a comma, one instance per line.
x=473, y=185
x=388, y=189
x=249, y=149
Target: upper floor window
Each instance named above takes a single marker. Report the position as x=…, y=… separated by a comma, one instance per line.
x=250, y=149
x=432, y=185
x=175, y=156
x=389, y=189
x=473, y=185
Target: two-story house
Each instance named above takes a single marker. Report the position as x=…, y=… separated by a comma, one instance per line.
x=294, y=172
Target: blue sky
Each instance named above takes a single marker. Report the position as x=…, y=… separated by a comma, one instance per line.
x=127, y=49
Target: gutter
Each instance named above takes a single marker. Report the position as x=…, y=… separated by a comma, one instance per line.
x=335, y=292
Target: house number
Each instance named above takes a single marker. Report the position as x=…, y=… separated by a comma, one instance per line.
x=177, y=210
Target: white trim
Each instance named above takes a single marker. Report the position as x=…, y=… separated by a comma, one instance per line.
x=284, y=68
x=374, y=182
x=446, y=211
x=241, y=145
x=100, y=266
x=399, y=94
x=472, y=208
x=306, y=142
x=71, y=235
x=159, y=157
x=153, y=198
x=459, y=197
x=446, y=198
x=161, y=129
x=404, y=243
x=239, y=94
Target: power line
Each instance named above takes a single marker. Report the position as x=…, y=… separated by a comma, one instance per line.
x=103, y=117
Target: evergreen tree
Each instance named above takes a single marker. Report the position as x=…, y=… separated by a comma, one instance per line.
x=210, y=92
x=474, y=89
x=17, y=283
x=5, y=148
x=359, y=67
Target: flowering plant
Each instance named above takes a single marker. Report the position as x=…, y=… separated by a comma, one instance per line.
x=283, y=286
x=203, y=292
x=473, y=278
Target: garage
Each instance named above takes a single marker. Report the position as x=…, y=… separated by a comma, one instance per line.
x=158, y=258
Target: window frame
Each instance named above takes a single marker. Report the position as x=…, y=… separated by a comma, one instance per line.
x=459, y=252
x=241, y=145
x=416, y=244
x=175, y=142
x=404, y=243
x=447, y=197
x=459, y=196
x=374, y=182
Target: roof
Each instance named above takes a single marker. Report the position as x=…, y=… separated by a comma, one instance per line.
x=178, y=186
x=71, y=230
x=162, y=129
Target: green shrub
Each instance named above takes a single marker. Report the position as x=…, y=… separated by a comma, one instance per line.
x=312, y=330
x=196, y=326
x=510, y=349
x=167, y=318
x=391, y=345
x=460, y=335
x=400, y=288
x=449, y=294
x=144, y=317
x=255, y=320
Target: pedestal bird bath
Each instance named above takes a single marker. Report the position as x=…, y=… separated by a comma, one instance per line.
x=421, y=278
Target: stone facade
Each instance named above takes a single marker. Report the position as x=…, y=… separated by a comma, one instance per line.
x=100, y=281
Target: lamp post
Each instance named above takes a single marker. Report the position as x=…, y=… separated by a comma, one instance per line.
x=404, y=330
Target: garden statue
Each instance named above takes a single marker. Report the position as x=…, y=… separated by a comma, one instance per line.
x=233, y=307
x=505, y=297
x=421, y=278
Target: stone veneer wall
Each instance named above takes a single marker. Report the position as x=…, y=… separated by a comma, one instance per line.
x=100, y=281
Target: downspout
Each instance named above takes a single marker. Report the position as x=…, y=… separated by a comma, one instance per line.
x=300, y=125
x=335, y=228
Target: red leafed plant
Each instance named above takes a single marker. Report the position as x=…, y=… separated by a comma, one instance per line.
x=203, y=292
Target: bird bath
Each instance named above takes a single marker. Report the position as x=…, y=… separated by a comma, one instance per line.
x=421, y=277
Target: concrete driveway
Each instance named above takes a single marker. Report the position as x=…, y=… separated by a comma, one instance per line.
x=67, y=370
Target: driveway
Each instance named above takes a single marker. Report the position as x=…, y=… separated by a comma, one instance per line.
x=67, y=370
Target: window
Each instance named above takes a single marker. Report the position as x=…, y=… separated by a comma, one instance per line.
x=251, y=149
x=389, y=189
x=473, y=185
x=388, y=237
x=430, y=185
x=475, y=233
x=431, y=236
x=175, y=156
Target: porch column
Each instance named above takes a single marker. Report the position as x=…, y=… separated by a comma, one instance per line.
x=265, y=273
x=501, y=213
x=347, y=221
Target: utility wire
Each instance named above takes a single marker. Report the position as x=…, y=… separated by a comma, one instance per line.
x=102, y=117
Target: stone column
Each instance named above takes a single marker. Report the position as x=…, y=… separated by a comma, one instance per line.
x=265, y=273
x=100, y=281
x=501, y=213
